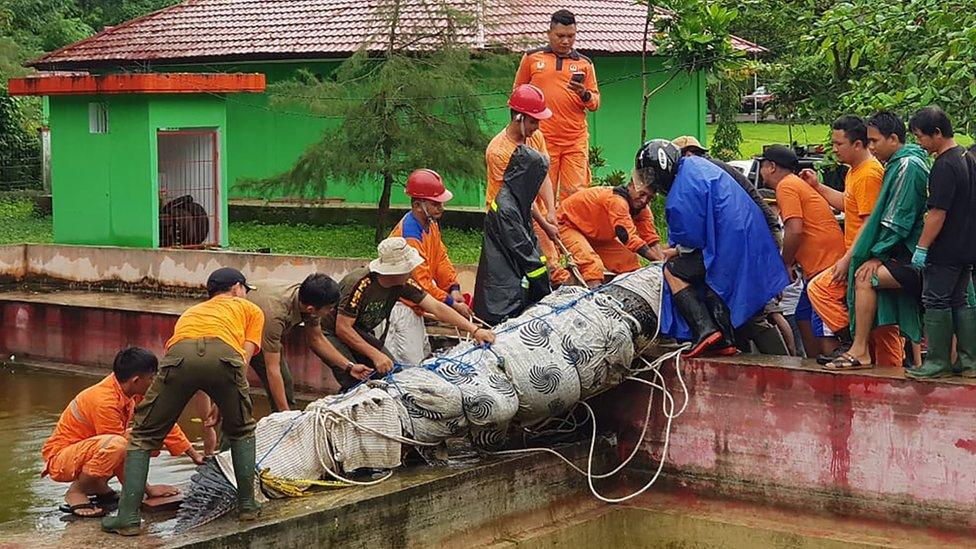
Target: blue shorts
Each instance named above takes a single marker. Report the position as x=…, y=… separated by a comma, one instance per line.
x=805, y=313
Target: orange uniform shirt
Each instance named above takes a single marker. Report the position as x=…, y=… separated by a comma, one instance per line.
x=822, y=242
x=102, y=409
x=862, y=186
x=233, y=320
x=545, y=70
x=603, y=215
x=436, y=274
x=499, y=154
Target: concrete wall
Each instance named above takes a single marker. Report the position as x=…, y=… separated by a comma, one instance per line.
x=870, y=443
x=164, y=269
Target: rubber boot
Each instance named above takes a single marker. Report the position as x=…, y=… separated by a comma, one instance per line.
x=704, y=332
x=723, y=320
x=242, y=454
x=964, y=321
x=938, y=332
x=128, y=520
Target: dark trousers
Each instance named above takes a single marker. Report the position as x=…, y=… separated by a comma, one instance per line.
x=944, y=286
x=205, y=364
x=261, y=369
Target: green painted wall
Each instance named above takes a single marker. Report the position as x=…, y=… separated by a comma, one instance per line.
x=104, y=186
x=265, y=139
x=102, y=183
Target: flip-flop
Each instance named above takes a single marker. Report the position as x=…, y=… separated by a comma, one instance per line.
x=73, y=509
x=846, y=362
x=106, y=499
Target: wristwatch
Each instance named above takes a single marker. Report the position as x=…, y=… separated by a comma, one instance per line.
x=349, y=366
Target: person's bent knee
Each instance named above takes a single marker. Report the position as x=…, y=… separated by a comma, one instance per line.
x=108, y=459
x=862, y=285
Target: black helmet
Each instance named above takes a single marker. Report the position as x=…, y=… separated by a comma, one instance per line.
x=661, y=156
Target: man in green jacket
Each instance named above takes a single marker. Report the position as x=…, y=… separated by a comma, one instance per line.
x=883, y=288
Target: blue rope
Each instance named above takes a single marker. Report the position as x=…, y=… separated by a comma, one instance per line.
x=257, y=466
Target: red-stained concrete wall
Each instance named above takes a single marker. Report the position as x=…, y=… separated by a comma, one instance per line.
x=870, y=444
x=90, y=337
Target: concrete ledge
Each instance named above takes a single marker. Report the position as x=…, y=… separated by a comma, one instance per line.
x=161, y=270
x=782, y=431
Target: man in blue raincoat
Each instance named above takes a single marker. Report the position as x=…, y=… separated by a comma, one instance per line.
x=724, y=265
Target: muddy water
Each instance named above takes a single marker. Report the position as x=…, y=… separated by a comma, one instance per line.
x=30, y=403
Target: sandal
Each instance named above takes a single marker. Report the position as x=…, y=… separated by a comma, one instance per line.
x=73, y=510
x=846, y=362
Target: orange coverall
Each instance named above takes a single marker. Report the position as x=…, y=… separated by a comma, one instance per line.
x=567, y=132
x=436, y=275
x=497, y=157
x=598, y=228
x=90, y=436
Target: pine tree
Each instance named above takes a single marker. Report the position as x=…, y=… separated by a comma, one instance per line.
x=417, y=103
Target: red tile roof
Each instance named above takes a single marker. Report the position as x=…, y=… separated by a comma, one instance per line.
x=235, y=30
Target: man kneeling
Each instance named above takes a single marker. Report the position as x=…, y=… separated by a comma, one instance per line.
x=607, y=228
x=89, y=442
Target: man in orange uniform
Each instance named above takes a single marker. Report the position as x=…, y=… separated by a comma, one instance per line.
x=568, y=81
x=528, y=109
x=862, y=186
x=607, y=228
x=811, y=237
x=87, y=447
x=212, y=344
x=406, y=338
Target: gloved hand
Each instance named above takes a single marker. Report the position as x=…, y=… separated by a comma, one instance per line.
x=919, y=257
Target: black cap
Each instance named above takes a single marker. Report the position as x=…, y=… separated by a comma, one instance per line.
x=224, y=279
x=782, y=156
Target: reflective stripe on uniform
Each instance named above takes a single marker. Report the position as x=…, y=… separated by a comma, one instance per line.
x=494, y=206
x=537, y=273
x=543, y=259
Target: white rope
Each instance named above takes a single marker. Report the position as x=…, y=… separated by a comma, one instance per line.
x=668, y=408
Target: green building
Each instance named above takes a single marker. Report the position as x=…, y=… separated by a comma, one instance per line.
x=125, y=156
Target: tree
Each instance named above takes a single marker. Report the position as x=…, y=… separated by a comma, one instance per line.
x=691, y=36
x=902, y=56
x=398, y=110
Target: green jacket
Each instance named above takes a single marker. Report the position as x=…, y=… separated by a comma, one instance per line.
x=896, y=222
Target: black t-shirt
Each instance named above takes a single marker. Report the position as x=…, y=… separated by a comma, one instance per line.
x=952, y=187
x=362, y=297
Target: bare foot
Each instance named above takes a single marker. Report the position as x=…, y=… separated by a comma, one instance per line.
x=161, y=490
x=80, y=506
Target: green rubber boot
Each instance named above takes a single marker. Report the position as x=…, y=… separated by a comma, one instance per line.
x=242, y=453
x=128, y=521
x=938, y=331
x=965, y=324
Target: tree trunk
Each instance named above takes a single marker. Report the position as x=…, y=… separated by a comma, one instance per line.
x=644, y=96
x=383, y=210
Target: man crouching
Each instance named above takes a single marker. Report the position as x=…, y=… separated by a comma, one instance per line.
x=88, y=445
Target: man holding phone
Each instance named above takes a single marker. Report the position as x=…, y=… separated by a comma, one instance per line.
x=568, y=80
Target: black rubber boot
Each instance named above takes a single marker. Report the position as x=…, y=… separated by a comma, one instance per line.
x=723, y=320
x=242, y=453
x=128, y=520
x=703, y=330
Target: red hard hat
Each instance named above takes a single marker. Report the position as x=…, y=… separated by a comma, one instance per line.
x=529, y=100
x=427, y=185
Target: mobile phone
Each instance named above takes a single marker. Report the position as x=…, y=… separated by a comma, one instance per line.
x=578, y=77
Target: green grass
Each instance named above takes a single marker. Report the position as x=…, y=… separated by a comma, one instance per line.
x=19, y=224
x=337, y=240
x=754, y=136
